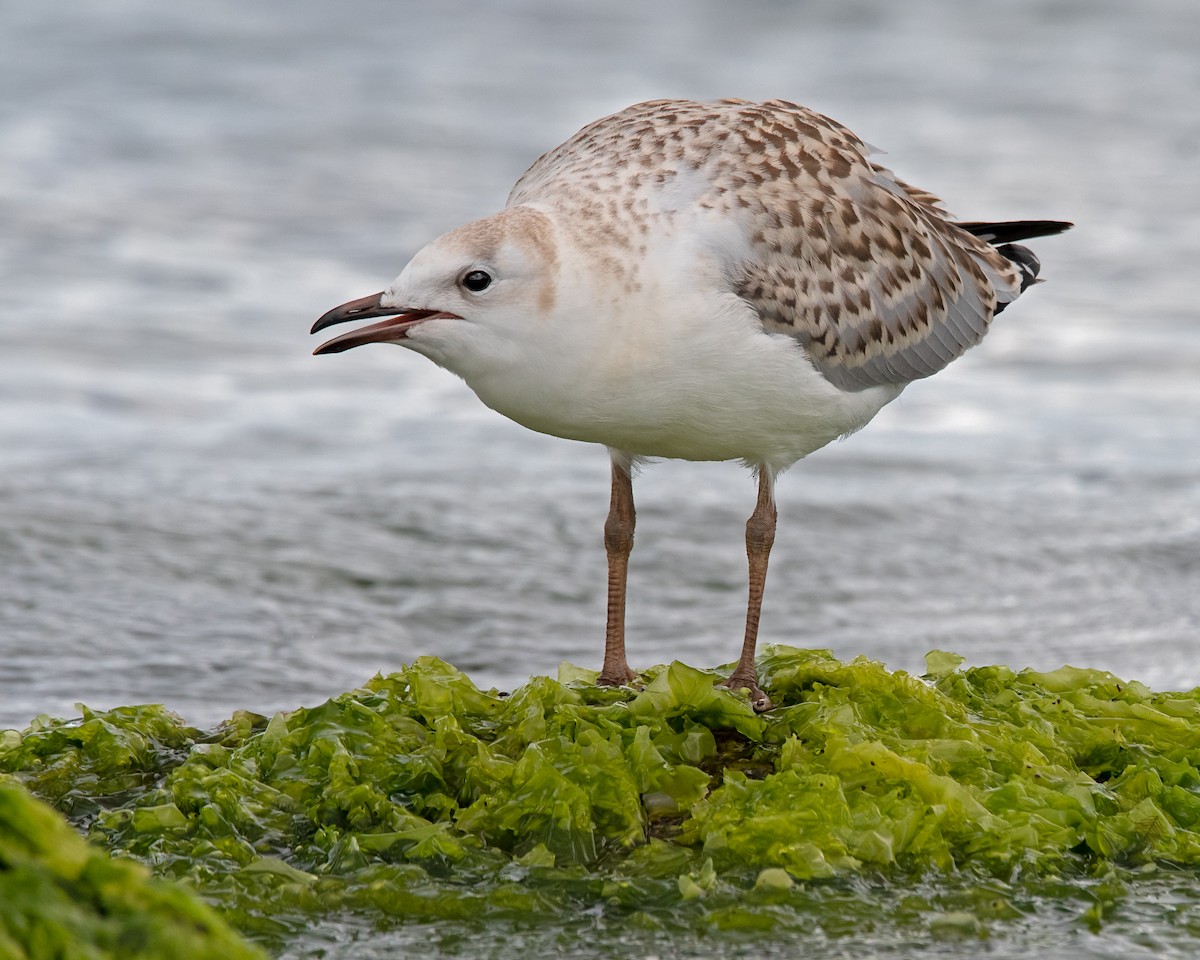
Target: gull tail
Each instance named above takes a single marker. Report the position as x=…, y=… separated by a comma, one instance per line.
x=1001, y=235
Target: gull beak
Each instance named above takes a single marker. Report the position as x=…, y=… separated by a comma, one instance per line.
x=395, y=327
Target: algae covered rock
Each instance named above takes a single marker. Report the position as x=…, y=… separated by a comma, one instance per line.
x=422, y=798
x=60, y=897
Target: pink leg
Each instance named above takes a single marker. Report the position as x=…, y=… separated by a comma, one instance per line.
x=618, y=542
x=760, y=535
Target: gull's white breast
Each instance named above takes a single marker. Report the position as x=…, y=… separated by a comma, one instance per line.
x=669, y=364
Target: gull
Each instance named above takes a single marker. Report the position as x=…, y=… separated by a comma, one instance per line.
x=703, y=281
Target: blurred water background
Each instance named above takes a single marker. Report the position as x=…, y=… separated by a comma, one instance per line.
x=193, y=510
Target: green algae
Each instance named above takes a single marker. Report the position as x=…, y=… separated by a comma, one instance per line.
x=952, y=805
x=63, y=898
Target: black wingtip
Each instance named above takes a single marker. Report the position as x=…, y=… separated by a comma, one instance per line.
x=1008, y=231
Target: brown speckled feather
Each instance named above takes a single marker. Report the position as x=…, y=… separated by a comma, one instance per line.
x=865, y=271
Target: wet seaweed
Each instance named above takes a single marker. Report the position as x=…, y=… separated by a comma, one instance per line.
x=945, y=803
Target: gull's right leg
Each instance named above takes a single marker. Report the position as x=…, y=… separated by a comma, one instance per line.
x=760, y=535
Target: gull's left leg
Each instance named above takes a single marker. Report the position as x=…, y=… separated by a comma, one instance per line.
x=760, y=535
x=618, y=542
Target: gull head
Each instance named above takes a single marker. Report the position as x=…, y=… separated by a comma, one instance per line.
x=469, y=300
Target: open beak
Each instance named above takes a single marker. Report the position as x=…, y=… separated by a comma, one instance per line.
x=395, y=327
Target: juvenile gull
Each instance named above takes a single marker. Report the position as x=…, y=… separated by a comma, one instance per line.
x=702, y=281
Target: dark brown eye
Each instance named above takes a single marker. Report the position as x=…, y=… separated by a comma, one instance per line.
x=477, y=280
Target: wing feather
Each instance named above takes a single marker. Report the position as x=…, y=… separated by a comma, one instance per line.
x=869, y=274
x=880, y=286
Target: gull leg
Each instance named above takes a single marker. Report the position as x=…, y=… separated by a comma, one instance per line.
x=618, y=542
x=760, y=535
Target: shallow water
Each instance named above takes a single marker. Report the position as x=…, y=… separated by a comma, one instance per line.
x=193, y=510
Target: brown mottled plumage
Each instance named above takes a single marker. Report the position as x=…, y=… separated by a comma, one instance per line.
x=707, y=281
x=867, y=272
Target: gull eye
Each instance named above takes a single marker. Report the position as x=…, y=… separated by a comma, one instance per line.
x=477, y=280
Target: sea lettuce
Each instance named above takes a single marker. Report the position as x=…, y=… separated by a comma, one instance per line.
x=61, y=897
x=420, y=797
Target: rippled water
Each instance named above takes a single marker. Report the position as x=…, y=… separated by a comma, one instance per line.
x=194, y=510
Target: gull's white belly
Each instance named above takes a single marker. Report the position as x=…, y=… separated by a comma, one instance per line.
x=758, y=399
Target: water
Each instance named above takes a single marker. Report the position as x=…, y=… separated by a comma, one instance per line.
x=195, y=511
